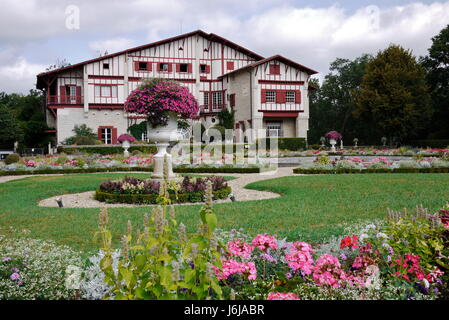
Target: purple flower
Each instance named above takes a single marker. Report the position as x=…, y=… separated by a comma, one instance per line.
x=15, y=276
x=15, y=270
x=6, y=259
x=268, y=257
x=288, y=275
x=343, y=256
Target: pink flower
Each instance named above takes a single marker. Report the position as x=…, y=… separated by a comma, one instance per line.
x=230, y=267
x=264, y=242
x=240, y=249
x=282, y=296
x=328, y=272
x=15, y=276
x=300, y=257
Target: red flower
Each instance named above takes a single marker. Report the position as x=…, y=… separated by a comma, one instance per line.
x=349, y=241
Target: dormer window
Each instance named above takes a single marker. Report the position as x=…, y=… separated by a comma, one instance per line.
x=106, y=66
x=203, y=68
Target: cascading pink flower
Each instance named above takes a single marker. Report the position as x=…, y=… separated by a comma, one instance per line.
x=264, y=242
x=300, y=257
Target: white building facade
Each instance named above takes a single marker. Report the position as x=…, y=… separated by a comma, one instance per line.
x=269, y=94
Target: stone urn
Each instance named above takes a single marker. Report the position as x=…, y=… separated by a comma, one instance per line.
x=333, y=142
x=162, y=136
x=126, y=145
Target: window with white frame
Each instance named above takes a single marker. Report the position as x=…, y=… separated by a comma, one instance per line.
x=145, y=136
x=217, y=99
x=106, y=91
x=106, y=135
x=274, y=129
x=290, y=96
x=163, y=67
x=71, y=93
x=270, y=96
x=206, y=98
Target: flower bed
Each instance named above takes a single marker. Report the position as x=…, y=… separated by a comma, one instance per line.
x=323, y=165
x=133, y=190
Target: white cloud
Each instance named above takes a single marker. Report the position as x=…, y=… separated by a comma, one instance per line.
x=19, y=76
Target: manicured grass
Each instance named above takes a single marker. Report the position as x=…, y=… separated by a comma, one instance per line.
x=311, y=207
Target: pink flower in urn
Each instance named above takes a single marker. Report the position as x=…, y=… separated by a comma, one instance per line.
x=126, y=137
x=333, y=135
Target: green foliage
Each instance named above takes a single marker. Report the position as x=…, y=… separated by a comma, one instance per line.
x=12, y=158
x=83, y=136
x=370, y=170
x=136, y=130
x=437, y=66
x=394, y=95
x=441, y=143
x=162, y=262
x=292, y=144
x=106, y=150
x=226, y=118
x=323, y=159
x=331, y=106
x=420, y=235
x=10, y=129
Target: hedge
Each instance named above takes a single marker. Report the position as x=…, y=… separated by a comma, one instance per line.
x=128, y=169
x=442, y=143
x=149, y=149
x=192, y=197
x=292, y=144
x=397, y=170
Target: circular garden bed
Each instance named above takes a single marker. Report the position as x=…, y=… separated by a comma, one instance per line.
x=139, y=191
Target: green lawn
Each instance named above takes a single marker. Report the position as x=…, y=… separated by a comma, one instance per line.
x=311, y=207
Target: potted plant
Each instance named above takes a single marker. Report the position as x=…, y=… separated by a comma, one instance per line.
x=355, y=142
x=125, y=140
x=333, y=136
x=163, y=102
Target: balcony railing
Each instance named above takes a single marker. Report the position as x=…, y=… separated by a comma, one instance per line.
x=65, y=99
x=213, y=108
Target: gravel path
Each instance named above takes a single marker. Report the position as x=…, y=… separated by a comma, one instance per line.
x=86, y=200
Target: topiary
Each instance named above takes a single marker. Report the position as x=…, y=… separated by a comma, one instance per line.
x=12, y=158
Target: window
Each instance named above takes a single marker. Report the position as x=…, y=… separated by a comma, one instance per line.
x=70, y=92
x=106, y=66
x=217, y=99
x=106, y=91
x=183, y=67
x=232, y=99
x=203, y=68
x=206, y=98
x=163, y=67
x=230, y=65
x=290, y=96
x=270, y=96
x=145, y=136
x=274, y=129
x=106, y=135
x=143, y=66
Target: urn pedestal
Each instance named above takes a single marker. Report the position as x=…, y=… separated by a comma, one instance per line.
x=162, y=136
x=126, y=145
x=333, y=142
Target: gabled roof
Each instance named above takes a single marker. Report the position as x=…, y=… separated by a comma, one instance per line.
x=276, y=57
x=208, y=36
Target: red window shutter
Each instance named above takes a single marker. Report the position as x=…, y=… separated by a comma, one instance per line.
x=170, y=66
x=297, y=96
x=230, y=65
x=114, y=135
x=263, y=96
x=278, y=69
x=189, y=68
x=149, y=66
x=136, y=65
x=207, y=69
x=78, y=94
x=232, y=100
x=99, y=134
x=272, y=67
x=280, y=96
x=178, y=67
x=62, y=95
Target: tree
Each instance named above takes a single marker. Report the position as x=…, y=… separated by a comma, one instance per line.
x=394, y=95
x=10, y=130
x=332, y=106
x=437, y=66
x=226, y=118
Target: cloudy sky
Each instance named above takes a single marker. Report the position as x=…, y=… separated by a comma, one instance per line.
x=36, y=33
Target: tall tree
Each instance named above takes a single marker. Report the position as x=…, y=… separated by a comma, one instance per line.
x=331, y=107
x=394, y=95
x=437, y=66
x=10, y=130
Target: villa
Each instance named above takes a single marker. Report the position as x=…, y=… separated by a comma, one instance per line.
x=266, y=93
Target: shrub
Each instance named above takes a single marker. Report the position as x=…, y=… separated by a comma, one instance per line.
x=12, y=158
x=442, y=143
x=292, y=144
x=83, y=140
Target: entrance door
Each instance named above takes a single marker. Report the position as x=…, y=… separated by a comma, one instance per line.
x=274, y=129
